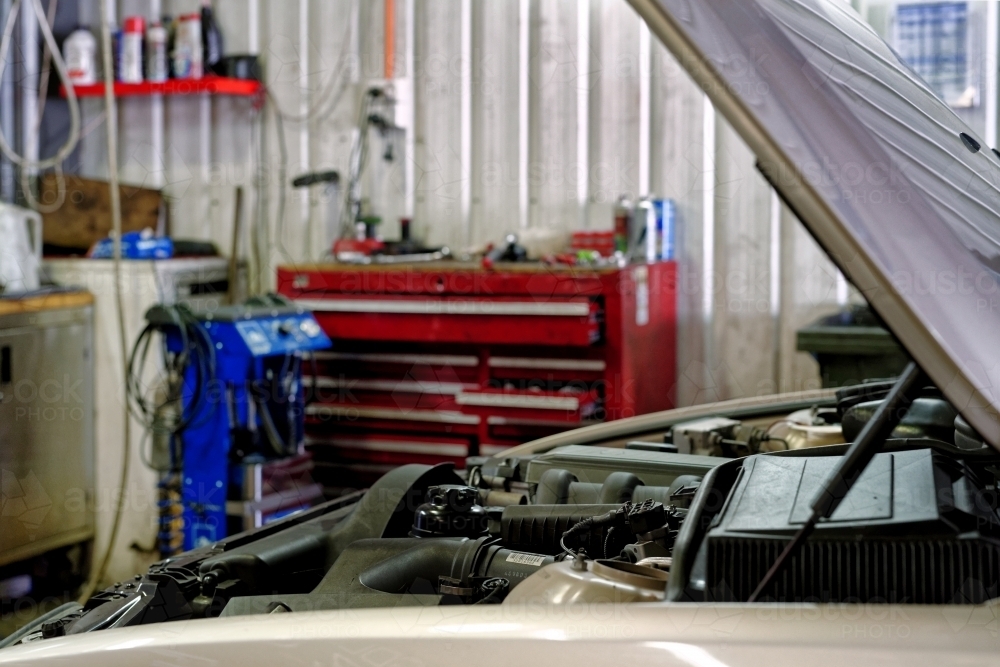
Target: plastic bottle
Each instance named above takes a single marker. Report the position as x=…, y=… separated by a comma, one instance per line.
x=188, y=48
x=211, y=38
x=80, y=53
x=157, y=62
x=133, y=31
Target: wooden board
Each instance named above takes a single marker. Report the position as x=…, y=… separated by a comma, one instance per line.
x=85, y=217
x=35, y=304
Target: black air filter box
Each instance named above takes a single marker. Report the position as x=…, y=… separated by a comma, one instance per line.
x=917, y=527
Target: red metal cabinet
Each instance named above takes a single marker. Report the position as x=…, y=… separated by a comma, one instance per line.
x=438, y=361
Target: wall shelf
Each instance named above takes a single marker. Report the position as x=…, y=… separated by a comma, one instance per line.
x=213, y=85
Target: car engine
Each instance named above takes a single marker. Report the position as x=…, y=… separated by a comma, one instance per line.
x=698, y=514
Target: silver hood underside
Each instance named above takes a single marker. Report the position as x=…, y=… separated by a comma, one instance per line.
x=873, y=164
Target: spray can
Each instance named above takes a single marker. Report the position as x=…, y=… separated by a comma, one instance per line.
x=646, y=220
x=157, y=62
x=130, y=69
x=666, y=214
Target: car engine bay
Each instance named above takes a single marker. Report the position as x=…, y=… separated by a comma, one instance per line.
x=698, y=514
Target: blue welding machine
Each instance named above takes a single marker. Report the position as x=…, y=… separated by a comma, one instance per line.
x=242, y=399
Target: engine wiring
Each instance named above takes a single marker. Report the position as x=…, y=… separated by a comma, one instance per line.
x=497, y=587
x=607, y=540
x=587, y=525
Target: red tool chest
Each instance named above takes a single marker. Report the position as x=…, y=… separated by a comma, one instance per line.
x=436, y=362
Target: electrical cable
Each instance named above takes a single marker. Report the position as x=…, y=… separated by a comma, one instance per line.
x=617, y=517
x=489, y=597
x=290, y=370
x=583, y=526
x=195, y=348
x=24, y=163
x=496, y=586
x=279, y=225
x=281, y=446
x=260, y=216
x=359, y=157
x=277, y=443
x=315, y=113
x=607, y=540
x=116, y=216
x=147, y=456
x=253, y=282
x=562, y=544
x=339, y=73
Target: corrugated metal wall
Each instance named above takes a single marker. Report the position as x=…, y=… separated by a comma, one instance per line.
x=522, y=114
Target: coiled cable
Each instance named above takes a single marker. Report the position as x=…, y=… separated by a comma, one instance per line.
x=196, y=350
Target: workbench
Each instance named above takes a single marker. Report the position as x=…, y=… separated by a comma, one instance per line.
x=46, y=422
x=438, y=361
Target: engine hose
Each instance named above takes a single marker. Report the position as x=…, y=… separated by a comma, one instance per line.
x=411, y=559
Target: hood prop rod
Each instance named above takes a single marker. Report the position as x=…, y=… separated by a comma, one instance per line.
x=849, y=468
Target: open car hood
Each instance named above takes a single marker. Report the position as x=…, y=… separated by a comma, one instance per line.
x=872, y=163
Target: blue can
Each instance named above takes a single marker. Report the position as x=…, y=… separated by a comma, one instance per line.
x=666, y=217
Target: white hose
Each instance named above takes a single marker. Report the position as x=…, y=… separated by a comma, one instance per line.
x=43, y=86
x=101, y=565
x=67, y=148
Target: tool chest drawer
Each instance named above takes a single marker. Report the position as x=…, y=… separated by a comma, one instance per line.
x=433, y=363
x=424, y=319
